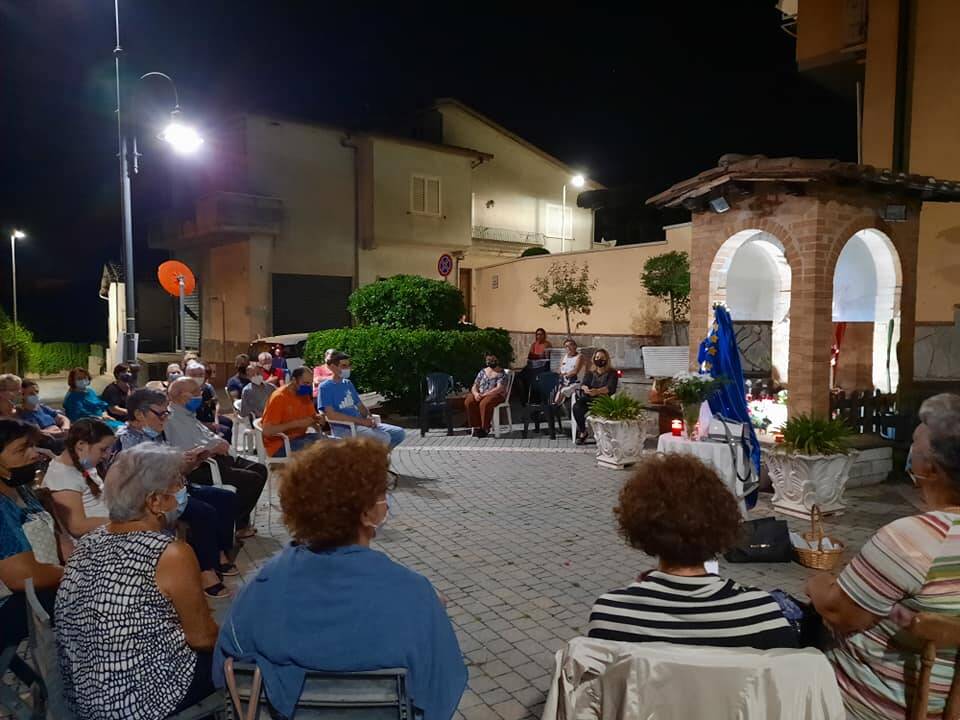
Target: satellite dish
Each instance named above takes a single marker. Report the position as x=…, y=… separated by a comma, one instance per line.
x=171, y=272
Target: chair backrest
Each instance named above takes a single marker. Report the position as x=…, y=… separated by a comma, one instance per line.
x=543, y=387
x=510, y=375
x=43, y=648
x=262, y=456
x=370, y=695
x=439, y=385
x=936, y=632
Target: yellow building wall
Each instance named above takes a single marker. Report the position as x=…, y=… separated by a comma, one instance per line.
x=819, y=32
x=880, y=83
x=620, y=304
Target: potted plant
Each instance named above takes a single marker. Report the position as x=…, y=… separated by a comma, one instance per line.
x=617, y=423
x=691, y=390
x=811, y=466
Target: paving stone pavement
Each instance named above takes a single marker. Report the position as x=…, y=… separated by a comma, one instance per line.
x=520, y=539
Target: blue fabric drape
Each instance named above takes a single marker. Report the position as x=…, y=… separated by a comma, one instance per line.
x=719, y=357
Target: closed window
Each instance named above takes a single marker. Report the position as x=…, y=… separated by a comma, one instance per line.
x=554, y=221
x=425, y=195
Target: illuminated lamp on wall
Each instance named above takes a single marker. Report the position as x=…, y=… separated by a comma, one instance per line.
x=719, y=204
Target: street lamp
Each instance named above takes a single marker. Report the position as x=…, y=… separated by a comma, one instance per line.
x=14, y=236
x=183, y=139
x=578, y=182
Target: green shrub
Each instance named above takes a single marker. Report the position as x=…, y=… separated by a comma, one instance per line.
x=808, y=435
x=618, y=406
x=394, y=362
x=530, y=252
x=14, y=340
x=407, y=301
x=51, y=358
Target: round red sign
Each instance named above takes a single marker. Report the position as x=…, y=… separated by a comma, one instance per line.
x=445, y=265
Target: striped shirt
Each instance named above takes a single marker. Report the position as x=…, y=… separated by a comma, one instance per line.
x=911, y=565
x=704, y=610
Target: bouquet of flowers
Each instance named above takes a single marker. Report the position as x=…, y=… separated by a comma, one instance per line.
x=691, y=390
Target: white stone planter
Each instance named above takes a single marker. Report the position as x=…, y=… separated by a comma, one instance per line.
x=802, y=481
x=619, y=442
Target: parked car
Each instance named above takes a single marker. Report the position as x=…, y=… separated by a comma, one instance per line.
x=292, y=347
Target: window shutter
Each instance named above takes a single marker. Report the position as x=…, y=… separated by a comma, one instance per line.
x=418, y=194
x=432, y=205
x=553, y=220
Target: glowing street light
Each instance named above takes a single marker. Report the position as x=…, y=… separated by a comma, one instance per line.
x=14, y=236
x=184, y=139
x=578, y=181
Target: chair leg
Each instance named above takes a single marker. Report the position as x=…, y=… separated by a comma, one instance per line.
x=448, y=413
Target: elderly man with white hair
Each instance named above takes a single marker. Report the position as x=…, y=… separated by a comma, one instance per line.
x=909, y=566
x=209, y=412
x=184, y=431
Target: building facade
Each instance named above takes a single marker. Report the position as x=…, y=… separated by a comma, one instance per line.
x=296, y=215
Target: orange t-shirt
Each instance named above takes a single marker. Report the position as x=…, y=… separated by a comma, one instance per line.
x=285, y=406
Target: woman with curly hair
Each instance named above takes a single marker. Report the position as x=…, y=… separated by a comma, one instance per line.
x=678, y=510
x=330, y=602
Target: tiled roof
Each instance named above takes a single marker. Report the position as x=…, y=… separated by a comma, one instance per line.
x=759, y=168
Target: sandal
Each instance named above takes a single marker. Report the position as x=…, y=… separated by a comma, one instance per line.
x=228, y=570
x=247, y=532
x=218, y=592
x=581, y=439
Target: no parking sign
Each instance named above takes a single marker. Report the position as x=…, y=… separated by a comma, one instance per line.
x=445, y=265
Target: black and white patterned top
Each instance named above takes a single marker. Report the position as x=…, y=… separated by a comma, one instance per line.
x=121, y=647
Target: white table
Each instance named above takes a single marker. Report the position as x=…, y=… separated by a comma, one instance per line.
x=718, y=456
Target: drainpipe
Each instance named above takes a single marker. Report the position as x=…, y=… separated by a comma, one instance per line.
x=347, y=142
x=901, y=108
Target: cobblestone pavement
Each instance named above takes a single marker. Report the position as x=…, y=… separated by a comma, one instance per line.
x=520, y=538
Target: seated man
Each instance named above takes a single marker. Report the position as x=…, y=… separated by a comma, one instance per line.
x=184, y=431
x=340, y=402
x=52, y=423
x=209, y=411
x=290, y=412
x=240, y=380
x=115, y=394
x=322, y=372
x=255, y=394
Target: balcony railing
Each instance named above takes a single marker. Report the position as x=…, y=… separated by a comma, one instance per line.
x=506, y=235
x=221, y=213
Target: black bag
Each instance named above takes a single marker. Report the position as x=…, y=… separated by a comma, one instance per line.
x=764, y=540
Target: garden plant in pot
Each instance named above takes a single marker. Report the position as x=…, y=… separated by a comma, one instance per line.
x=811, y=466
x=691, y=391
x=618, y=425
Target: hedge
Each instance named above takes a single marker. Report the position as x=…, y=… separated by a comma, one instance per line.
x=394, y=362
x=407, y=301
x=51, y=358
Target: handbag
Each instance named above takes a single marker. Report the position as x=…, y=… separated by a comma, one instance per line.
x=763, y=540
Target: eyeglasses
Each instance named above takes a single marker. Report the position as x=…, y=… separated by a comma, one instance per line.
x=162, y=414
x=392, y=479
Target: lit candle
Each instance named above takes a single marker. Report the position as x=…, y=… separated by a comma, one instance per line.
x=778, y=437
x=676, y=427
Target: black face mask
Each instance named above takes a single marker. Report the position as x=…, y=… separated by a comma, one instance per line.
x=23, y=475
x=126, y=377
x=600, y=363
x=492, y=363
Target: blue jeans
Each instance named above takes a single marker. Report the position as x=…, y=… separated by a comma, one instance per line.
x=387, y=434
x=297, y=444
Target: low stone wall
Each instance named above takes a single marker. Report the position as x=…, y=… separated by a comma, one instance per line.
x=871, y=467
x=624, y=349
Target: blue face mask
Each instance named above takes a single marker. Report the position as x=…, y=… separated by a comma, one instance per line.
x=181, y=501
x=87, y=463
x=151, y=433
x=304, y=390
x=193, y=404
x=83, y=384
x=32, y=401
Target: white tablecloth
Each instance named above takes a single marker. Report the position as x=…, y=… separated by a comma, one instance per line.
x=715, y=454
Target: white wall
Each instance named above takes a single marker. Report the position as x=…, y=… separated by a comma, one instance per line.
x=855, y=283
x=752, y=284
x=520, y=182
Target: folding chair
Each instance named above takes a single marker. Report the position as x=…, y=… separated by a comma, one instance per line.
x=498, y=426
x=368, y=695
x=540, y=402
x=438, y=387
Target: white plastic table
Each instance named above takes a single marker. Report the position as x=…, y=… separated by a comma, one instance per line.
x=718, y=456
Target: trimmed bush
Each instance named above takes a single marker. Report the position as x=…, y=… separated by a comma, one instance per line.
x=51, y=358
x=394, y=362
x=530, y=252
x=407, y=301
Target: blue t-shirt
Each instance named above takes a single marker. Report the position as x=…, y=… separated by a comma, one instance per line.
x=13, y=540
x=43, y=416
x=341, y=396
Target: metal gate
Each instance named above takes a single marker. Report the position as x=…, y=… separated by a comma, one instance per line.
x=191, y=324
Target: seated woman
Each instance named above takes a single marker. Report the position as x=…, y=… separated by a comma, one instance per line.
x=538, y=361
x=81, y=400
x=909, y=566
x=52, y=423
x=28, y=547
x=72, y=478
x=147, y=655
x=489, y=390
x=601, y=379
x=570, y=368
x=677, y=509
x=116, y=393
x=329, y=601
x=323, y=371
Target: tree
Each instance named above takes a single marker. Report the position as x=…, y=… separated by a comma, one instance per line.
x=566, y=287
x=407, y=301
x=667, y=277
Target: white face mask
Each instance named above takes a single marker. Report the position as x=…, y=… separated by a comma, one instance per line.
x=257, y=379
x=379, y=526
x=345, y=374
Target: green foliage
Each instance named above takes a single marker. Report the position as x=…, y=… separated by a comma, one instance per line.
x=51, y=358
x=531, y=251
x=691, y=390
x=667, y=277
x=14, y=341
x=408, y=301
x=808, y=435
x=394, y=362
x=566, y=287
x=618, y=406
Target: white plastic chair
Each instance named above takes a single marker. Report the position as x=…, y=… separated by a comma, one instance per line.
x=243, y=441
x=215, y=477
x=498, y=427
x=270, y=461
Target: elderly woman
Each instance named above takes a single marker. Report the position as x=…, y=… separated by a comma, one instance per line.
x=677, y=509
x=601, y=379
x=81, y=400
x=489, y=390
x=28, y=546
x=570, y=368
x=134, y=632
x=329, y=601
x=909, y=566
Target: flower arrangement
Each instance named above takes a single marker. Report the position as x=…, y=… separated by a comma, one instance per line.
x=691, y=390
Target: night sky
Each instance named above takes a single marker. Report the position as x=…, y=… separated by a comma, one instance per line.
x=641, y=97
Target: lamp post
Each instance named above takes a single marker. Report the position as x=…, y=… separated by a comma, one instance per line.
x=184, y=140
x=14, y=236
x=577, y=181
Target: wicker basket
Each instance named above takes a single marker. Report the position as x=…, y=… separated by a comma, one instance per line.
x=820, y=558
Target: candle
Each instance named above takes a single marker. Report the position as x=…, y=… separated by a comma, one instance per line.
x=676, y=427
x=778, y=437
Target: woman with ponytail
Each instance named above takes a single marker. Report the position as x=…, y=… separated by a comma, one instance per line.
x=73, y=480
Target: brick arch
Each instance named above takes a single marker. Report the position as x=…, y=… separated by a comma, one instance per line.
x=864, y=222
x=791, y=249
